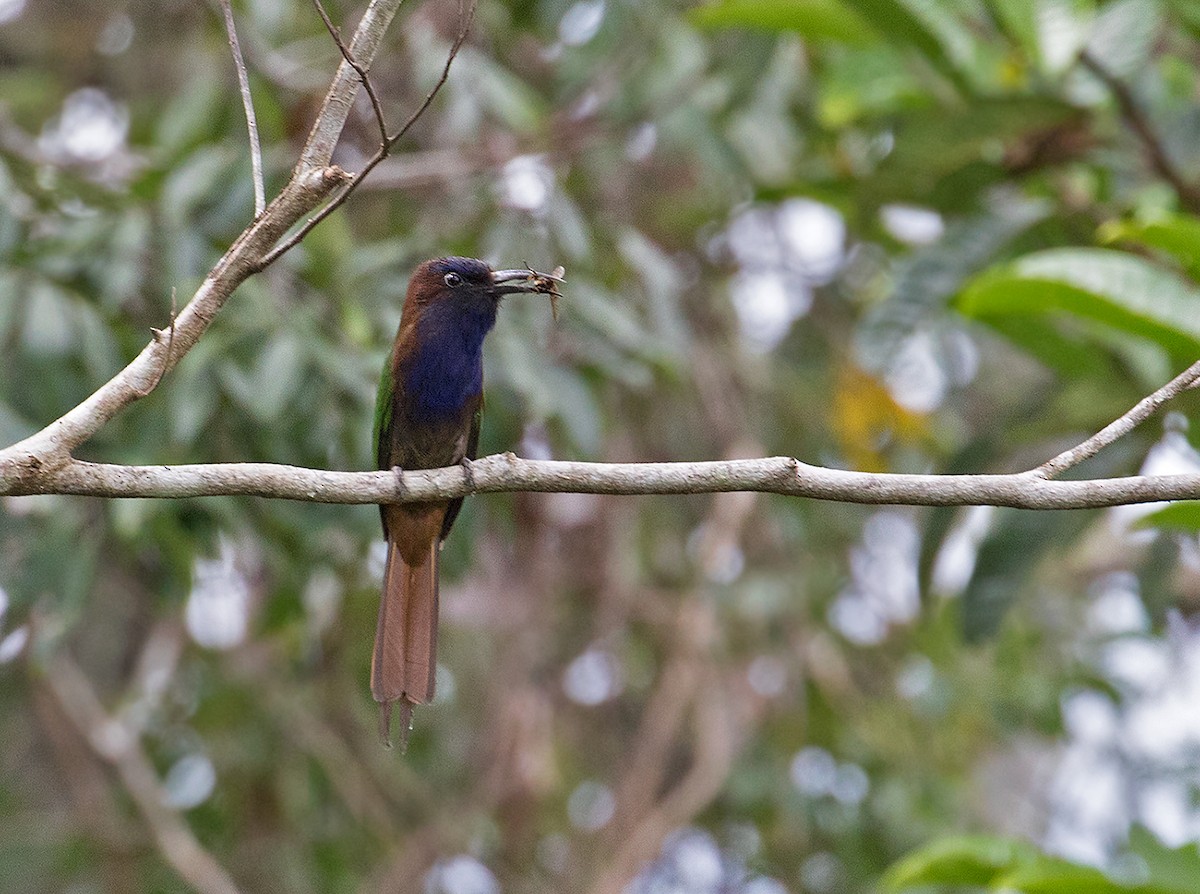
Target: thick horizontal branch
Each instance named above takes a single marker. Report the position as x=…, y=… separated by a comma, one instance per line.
x=508, y=473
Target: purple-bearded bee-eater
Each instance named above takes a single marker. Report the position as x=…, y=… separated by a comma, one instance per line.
x=427, y=417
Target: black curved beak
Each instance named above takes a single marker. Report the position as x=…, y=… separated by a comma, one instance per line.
x=506, y=282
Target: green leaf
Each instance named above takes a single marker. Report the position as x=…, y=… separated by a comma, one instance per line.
x=1181, y=516
x=959, y=860
x=1178, y=235
x=1018, y=19
x=939, y=39
x=190, y=118
x=924, y=27
x=867, y=82
x=1000, y=864
x=1172, y=870
x=1067, y=353
x=266, y=388
x=933, y=143
x=1052, y=876
x=818, y=19
x=1116, y=289
x=508, y=97
x=926, y=279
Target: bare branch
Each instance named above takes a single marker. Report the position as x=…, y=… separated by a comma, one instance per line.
x=257, y=247
x=363, y=77
x=506, y=473
x=256, y=165
x=380, y=154
x=312, y=180
x=1118, y=428
x=464, y=28
x=120, y=746
x=318, y=150
x=53, y=444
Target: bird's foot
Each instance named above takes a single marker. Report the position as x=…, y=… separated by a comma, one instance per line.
x=468, y=471
x=398, y=474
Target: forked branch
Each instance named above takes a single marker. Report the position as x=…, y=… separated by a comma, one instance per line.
x=313, y=179
x=467, y=16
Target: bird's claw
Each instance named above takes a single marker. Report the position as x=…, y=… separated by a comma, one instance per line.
x=468, y=471
x=398, y=474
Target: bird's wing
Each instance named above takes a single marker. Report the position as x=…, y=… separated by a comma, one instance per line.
x=382, y=434
x=473, y=435
x=472, y=452
x=383, y=416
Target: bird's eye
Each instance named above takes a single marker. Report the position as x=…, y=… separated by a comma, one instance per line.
x=452, y=279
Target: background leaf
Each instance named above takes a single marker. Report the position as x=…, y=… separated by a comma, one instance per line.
x=1119, y=290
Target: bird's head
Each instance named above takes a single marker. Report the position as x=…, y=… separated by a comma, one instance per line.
x=470, y=286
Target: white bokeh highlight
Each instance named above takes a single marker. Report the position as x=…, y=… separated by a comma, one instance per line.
x=218, y=608
x=90, y=128
x=593, y=678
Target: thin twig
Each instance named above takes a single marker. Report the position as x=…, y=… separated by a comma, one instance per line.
x=256, y=164
x=119, y=745
x=1131, y=111
x=340, y=198
x=326, y=131
x=466, y=15
x=359, y=69
x=1118, y=428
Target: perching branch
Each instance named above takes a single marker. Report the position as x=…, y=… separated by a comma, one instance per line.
x=1032, y=489
x=43, y=463
x=506, y=473
x=256, y=165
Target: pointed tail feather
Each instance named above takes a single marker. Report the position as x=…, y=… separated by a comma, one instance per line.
x=405, y=658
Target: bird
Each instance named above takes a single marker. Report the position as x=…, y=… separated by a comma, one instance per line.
x=427, y=416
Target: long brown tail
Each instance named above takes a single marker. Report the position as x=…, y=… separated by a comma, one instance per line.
x=405, y=658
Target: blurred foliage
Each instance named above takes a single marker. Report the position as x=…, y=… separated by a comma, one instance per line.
x=892, y=235
x=998, y=865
